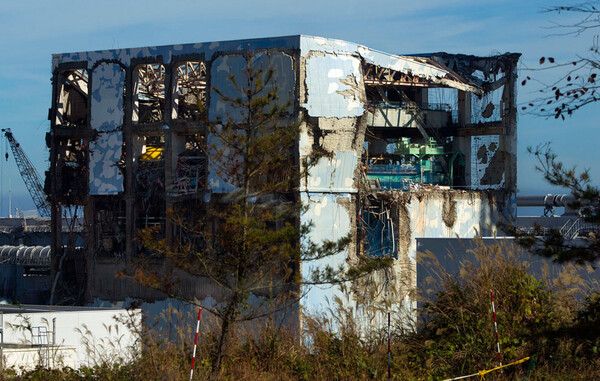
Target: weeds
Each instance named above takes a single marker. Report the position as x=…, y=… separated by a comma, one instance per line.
x=537, y=316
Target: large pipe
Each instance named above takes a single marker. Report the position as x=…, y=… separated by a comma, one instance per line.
x=548, y=200
x=25, y=255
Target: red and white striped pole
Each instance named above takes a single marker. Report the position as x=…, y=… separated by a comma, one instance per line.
x=195, y=343
x=389, y=349
x=496, y=329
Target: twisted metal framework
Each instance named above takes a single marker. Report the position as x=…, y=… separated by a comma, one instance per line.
x=377, y=75
x=29, y=175
x=150, y=81
x=191, y=78
x=78, y=79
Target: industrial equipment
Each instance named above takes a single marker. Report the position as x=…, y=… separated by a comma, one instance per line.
x=29, y=174
x=419, y=162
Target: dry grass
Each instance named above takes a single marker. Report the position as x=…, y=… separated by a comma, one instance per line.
x=540, y=318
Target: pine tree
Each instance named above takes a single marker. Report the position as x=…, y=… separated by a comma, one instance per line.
x=250, y=241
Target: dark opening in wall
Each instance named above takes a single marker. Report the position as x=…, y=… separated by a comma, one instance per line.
x=150, y=180
x=412, y=124
x=72, y=98
x=73, y=180
x=148, y=93
x=190, y=169
x=109, y=225
x=379, y=231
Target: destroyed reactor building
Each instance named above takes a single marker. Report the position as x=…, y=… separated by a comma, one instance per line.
x=419, y=146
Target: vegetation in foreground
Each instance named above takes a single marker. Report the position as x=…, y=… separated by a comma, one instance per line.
x=554, y=321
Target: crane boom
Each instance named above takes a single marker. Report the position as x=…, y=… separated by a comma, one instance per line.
x=29, y=175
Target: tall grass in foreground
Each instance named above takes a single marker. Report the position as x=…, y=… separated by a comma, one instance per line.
x=554, y=318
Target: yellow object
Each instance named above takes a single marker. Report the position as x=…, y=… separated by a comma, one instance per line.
x=482, y=373
x=152, y=153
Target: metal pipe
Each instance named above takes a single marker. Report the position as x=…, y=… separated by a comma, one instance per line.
x=53, y=331
x=53, y=349
x=25, y=255
x=548, y=200
x=1, y=342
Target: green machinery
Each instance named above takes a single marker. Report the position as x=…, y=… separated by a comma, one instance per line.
x=421, y=163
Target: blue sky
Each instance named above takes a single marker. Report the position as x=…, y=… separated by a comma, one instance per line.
x=33, y=30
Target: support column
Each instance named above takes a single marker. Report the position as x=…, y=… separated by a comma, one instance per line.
x=129, y=195
x=464, y=108
x=168, y=151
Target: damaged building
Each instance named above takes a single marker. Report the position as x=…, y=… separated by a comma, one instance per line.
x=417, y=146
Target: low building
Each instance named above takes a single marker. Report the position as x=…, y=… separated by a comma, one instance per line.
x=57, y=336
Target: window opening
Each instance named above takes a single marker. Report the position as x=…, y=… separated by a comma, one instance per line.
x=72, y=98
x=189, y=93
x=149, y=93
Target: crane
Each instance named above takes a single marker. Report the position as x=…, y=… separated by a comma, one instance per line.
x=29, y=174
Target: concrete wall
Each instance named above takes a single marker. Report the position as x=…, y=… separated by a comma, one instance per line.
x=93, y=333
x=428, y=213
x=29, y=358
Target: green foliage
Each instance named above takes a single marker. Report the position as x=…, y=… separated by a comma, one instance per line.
x=574, y=85
x=591, y=311
x=578, y=183
x=458, y=334
x=248, y=240
x=586, y=249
